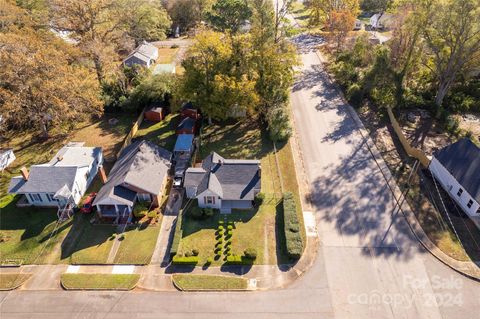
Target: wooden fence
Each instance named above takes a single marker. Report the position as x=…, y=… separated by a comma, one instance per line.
x=411, y=151
x=131, y=134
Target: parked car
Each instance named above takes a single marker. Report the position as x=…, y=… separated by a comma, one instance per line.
x=87, y=206
x=177, y=182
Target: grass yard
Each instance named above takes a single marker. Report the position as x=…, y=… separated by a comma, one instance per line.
x=87, y=243
x=259, y=229
x=25, y=230
x=12, y=281
x=161, y=133
x=99, y=281
x=199, y=234
x=209, y=282
x=138, y=245
x=27, y=235
x=166, y=55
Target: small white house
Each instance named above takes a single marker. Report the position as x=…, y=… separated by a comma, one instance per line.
x=224, y=184
x=61, y=182
x=457, y=168
x=381, y=21
x=6, y=157
x=145, y=55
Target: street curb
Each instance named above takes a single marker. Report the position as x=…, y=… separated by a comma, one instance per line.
x=467, y=269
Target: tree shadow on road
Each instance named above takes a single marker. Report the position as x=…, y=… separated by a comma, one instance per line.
x=355, y=198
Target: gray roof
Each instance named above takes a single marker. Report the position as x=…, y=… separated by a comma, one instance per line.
x=141, y=165
x=462, y=160
x=136, y=57
x=229, y=179
x=73, y=155
x=44, y=179
x=147, y=49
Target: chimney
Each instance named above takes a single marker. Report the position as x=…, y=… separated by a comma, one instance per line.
x=59, y=158
x=101, y=173
x=25, y=173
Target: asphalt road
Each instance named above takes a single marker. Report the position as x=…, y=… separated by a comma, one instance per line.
x=368, y=264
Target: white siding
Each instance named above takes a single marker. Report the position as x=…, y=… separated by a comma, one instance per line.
x=42, y=201
x=6, y=159
x=450, y=184
x=202, y=202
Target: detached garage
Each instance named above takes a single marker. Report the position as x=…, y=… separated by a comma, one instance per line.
x=155, y=114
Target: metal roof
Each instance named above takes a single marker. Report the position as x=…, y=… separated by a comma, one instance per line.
x=184, y=143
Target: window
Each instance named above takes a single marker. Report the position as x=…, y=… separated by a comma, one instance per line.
x=50, y=197
x=470, y=203
x=87, y=175
x=459, y=193
x=209, y=200
x=36, y=197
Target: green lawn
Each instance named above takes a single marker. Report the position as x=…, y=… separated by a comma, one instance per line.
x=99, y=281
x=209, y=282
x=138, y=245
x=12, y=281
x=27, y=234
x=198, y=234
x=253, y=229
x=161, y=133
x=89, y=244
x=25, y=230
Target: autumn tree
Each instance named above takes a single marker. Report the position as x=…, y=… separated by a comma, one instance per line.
x=321, y=10
x=340, y=23
x=229, y=15
x=186, y=14
x=274, y=58
x=453, y=39
x=42, y=83
x=100, y=27
x=210, y=80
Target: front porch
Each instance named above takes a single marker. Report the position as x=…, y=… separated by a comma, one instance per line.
x=118, y=214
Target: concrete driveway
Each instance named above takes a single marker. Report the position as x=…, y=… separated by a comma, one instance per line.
x=368, y=264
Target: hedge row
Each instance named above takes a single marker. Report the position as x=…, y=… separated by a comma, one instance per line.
x=179, y=260
x=238, y=260
x=177, y=235
x=294, y=241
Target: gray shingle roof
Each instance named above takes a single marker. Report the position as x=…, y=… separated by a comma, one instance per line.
x=462, y=160
x=230, y=179
x=44, y=179
x=142, y=165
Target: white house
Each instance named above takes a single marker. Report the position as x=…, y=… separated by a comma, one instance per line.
x=224, y=184
x=457, y=168
x=6, y=157
x=61, y=182
x=145, y=55
x=381, y=20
